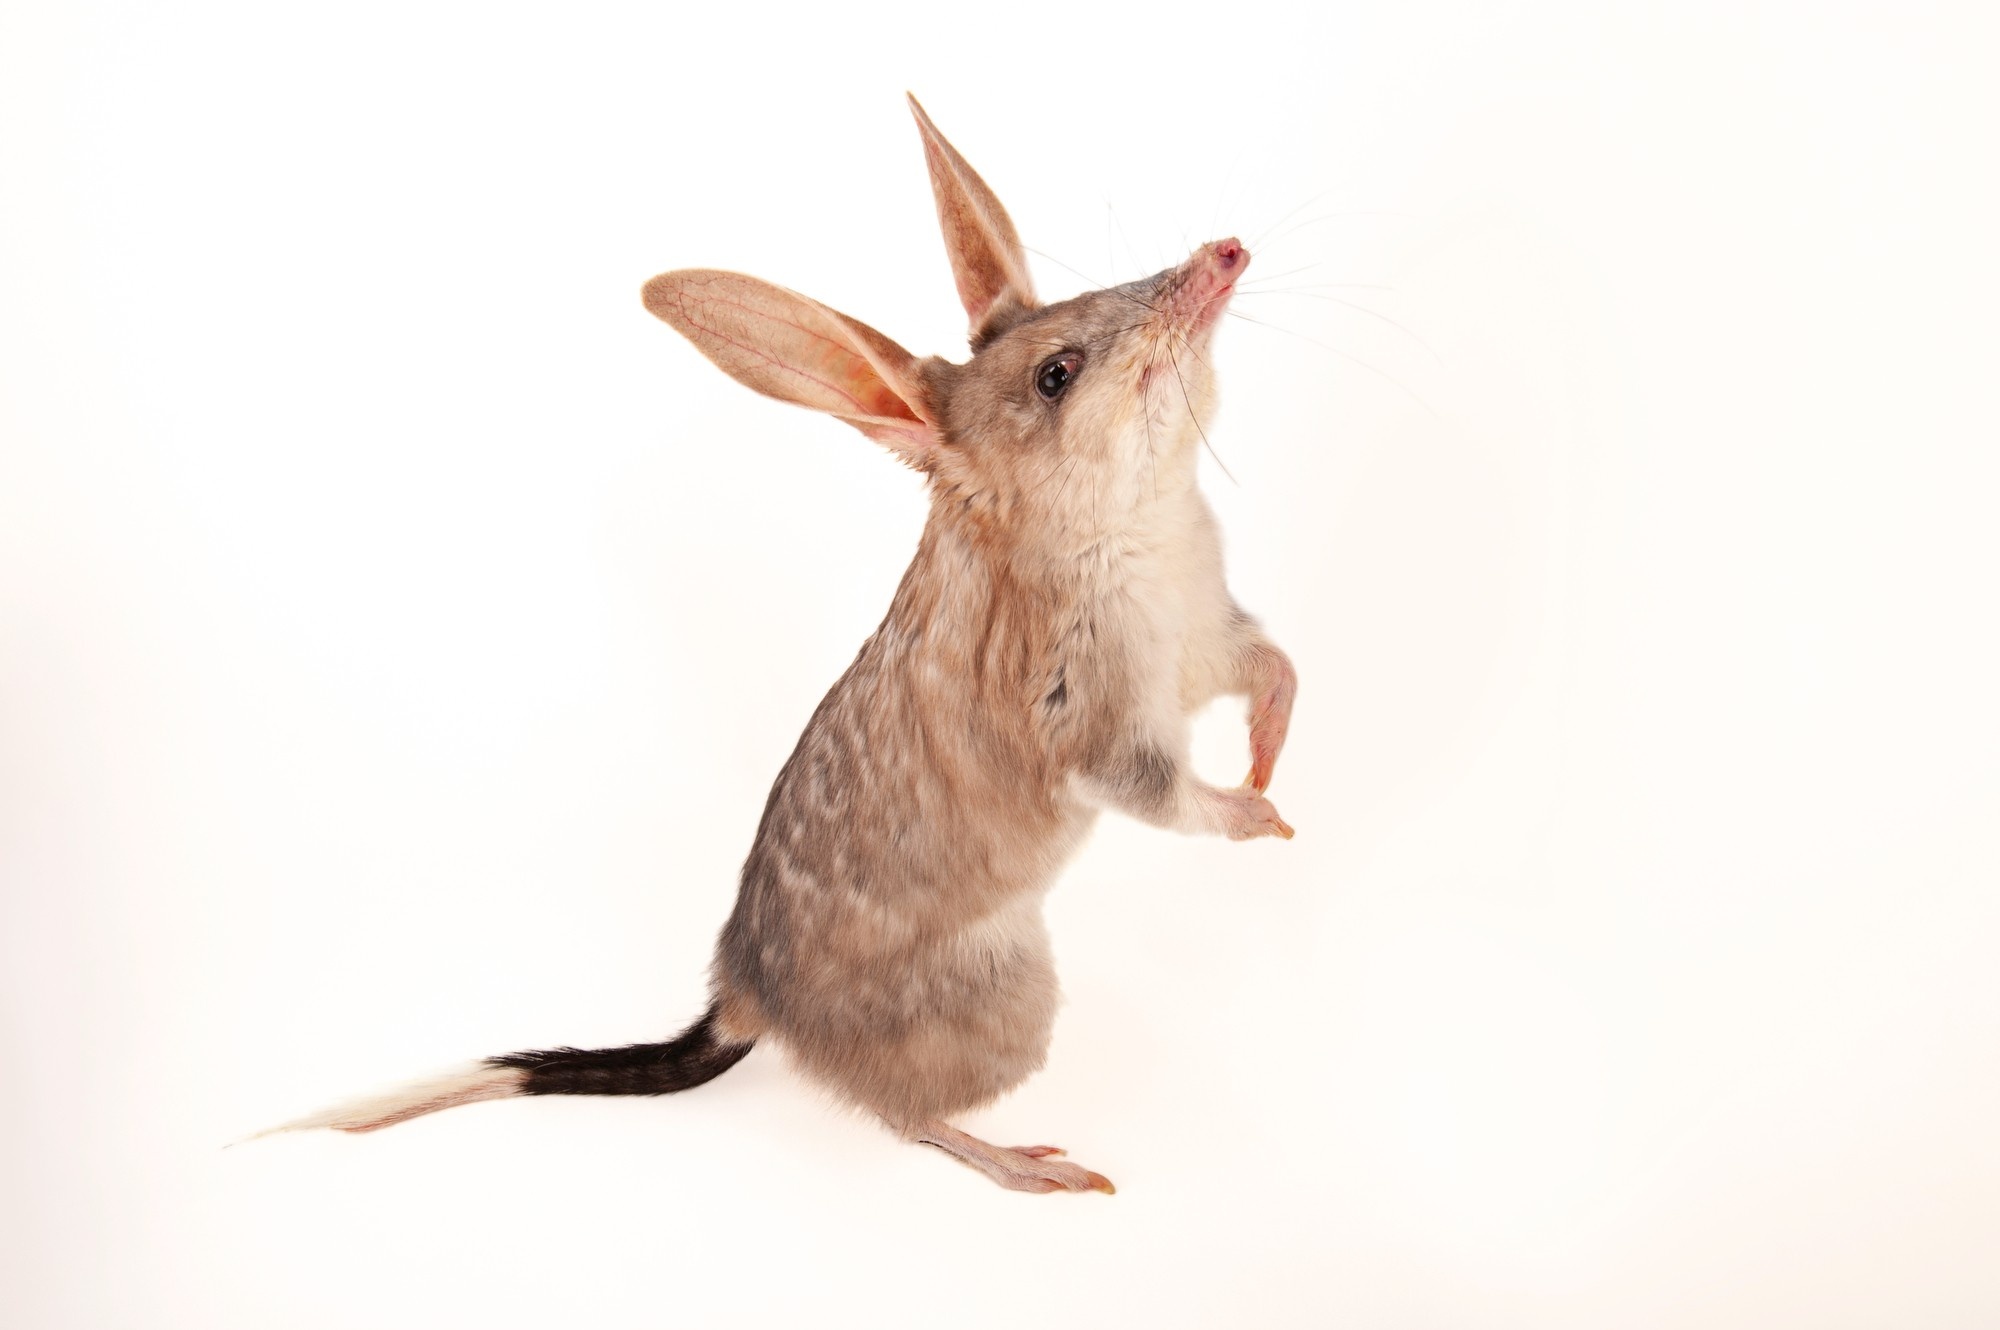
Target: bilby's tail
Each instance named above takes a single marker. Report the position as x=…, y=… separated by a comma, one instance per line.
x=696, y=1055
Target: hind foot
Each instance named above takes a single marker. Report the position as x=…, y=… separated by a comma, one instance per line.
x=1017, y=1168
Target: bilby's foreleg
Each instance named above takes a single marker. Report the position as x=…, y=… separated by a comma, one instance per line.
x=1142, y=779
x=1270, y=681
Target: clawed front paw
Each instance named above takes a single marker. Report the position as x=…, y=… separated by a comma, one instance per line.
x=1246, y=815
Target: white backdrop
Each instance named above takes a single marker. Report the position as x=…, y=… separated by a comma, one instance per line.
x=399, y=631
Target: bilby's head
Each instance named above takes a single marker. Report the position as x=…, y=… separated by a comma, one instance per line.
x=1068, y=420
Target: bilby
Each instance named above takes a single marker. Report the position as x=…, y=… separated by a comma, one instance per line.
x=1064, y=616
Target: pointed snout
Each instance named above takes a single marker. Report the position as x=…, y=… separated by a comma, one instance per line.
x=1215, y=268
x=1227, y=257
x=1201, y=286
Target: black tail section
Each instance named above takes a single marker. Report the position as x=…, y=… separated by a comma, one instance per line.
x=694, y=1056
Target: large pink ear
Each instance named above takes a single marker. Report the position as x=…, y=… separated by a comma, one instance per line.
x=986, y=257
x=797, y=350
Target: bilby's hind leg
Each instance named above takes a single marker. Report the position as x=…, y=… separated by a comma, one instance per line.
x=1018, y=1168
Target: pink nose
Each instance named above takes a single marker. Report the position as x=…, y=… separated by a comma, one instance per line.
x=1229, y=255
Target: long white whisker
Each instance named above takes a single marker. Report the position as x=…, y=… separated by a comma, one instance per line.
x=1361, y=309
x=1196, y=420
x=1383, y=374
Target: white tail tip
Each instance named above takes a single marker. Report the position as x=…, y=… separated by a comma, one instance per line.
x=466, y=1086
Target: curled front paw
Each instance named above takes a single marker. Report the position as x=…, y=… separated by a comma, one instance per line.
x=1246, y=815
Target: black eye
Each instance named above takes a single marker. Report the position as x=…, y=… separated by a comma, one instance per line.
x=1054, y=376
